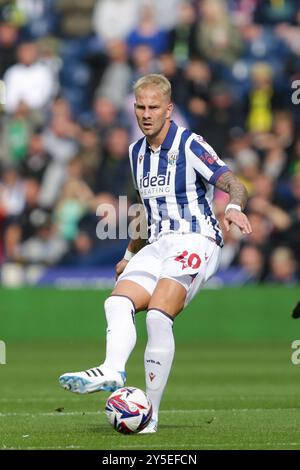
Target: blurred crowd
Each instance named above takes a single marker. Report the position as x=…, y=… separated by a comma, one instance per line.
x=67, y=69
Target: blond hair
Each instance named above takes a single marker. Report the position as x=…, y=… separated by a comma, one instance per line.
x=154, y=80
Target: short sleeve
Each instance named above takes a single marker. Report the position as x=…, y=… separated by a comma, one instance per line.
x=131, y=151
x=205, y=161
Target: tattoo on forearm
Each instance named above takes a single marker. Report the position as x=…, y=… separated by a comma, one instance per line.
x=236, y=190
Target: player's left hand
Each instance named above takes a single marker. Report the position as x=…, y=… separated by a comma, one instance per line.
x=233, y=216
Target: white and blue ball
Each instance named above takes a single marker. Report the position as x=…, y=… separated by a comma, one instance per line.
x=128, y=410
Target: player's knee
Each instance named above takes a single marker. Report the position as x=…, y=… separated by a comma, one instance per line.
x=160, y=332
x=156, y=319
x=118, y=303
x=109, y=303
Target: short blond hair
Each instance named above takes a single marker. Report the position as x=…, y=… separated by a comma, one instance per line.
x=154, y=80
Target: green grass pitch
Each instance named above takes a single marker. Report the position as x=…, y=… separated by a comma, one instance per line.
x=233, y=385
x=220, y=396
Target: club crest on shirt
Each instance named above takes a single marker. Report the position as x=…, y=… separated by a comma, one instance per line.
x=141, y=157
x=172, y=157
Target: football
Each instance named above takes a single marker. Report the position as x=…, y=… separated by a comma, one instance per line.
x=128, y=410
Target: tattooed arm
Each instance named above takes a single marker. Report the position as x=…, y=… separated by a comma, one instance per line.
x=238, y=195
x=236, y=190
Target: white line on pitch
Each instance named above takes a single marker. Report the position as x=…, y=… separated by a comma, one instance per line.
x=83, y=413
x=168, y=447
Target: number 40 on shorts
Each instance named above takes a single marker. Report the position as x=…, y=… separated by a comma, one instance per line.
x=189, y=260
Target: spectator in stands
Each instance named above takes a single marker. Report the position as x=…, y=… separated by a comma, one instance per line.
x=90, y=154
x=245, y=158
x=115, y=19
x=49, y=49
x=182, y=36
x=148, y=32
x=12, y=193
x=143, y=61
x=22, y=226
x=292, y=235
x=274, y=158
x=217, y=38
x=294, y=164
x=8, y=45
x=17, y=129
x=114, y=173
x=29, y=81
x=278, y=219
x=107, y=115
x=198, y=82
x=289, y=193
x=242, y=11
x=61, y=142
x=220, y=116
x=285, y=130
x=261, y=99
x=175, y=74
x=75, y=18
x=116, y=79
x=37, y=158
x=272, y=13
x=39, y=18
x=290, y=35
x=248, y=269
x=166, y=12
x=261, y=44
x=87, y=252
x=80, y=251
x=82, y=54
x=260, y=236
x=283, y=267
x=45, y=247
x=251, y=262
x=76, y=199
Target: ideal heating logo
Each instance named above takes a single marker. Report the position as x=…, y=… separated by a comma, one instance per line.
x=2, y=353
x=155, y=185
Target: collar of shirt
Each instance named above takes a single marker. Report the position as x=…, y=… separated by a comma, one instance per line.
x=167, y=143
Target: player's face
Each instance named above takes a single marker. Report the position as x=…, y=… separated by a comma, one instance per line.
x=153, y=112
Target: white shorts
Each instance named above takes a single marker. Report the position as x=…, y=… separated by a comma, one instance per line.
x=188, y=258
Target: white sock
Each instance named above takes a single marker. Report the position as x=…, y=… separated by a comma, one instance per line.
x=120, y=333
x=159, y=355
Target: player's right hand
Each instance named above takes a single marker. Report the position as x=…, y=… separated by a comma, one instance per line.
x=120, y=267
x=233, y=216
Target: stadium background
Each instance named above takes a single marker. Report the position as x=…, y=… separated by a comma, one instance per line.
x=63, y=152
